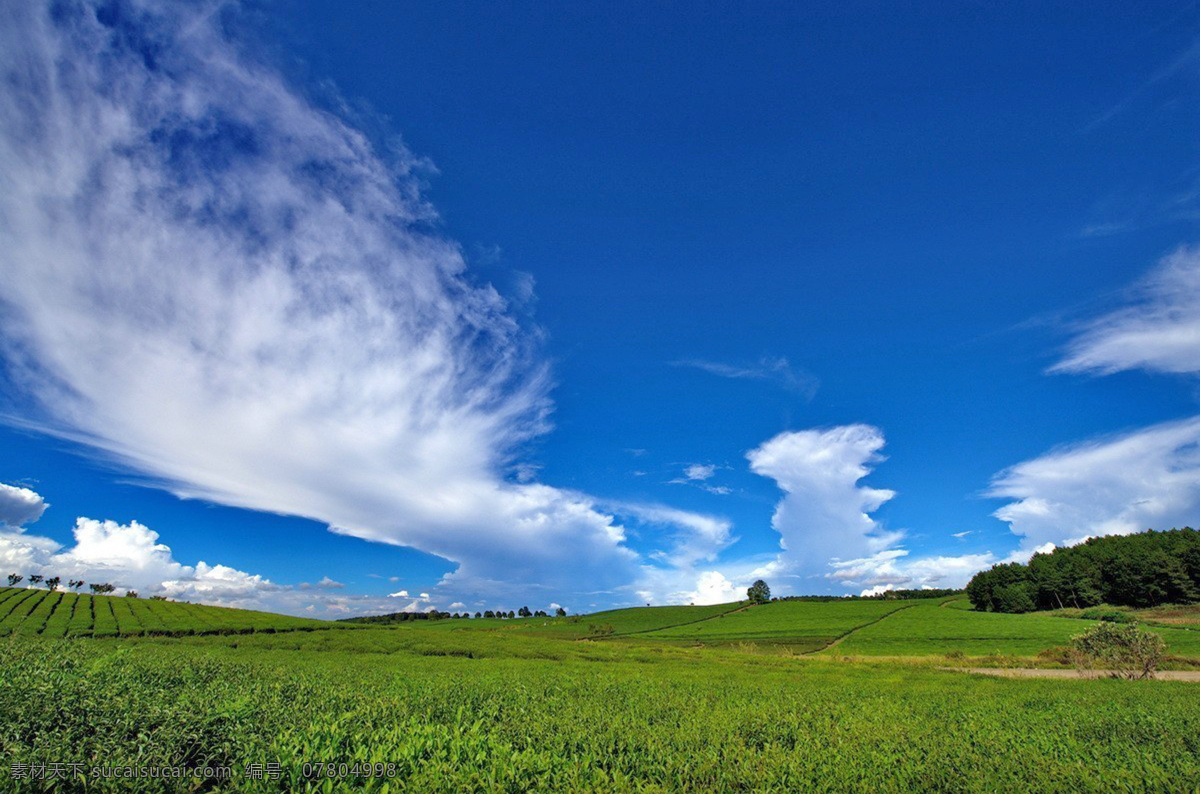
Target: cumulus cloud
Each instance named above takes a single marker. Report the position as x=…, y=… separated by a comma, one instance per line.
x=771, y=369
x=132, y=557
x=1147, y=478
x=19, y=506
x=399, y=594
x=825, y=512
x=824, y=520
x=1158, y=329
x=232, y=292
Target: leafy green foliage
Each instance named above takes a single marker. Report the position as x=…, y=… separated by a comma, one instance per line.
x=509, y=712
x=759, y=592
x=1142, y=570
x=1127, y=650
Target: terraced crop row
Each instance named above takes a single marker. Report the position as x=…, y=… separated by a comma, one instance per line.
x=32, y=611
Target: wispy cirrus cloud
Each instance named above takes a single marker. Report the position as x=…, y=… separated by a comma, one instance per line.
x=769, y=369
x=231, y=291
x=1158, y=328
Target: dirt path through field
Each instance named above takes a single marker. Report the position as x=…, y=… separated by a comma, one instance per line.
x=1021, y=672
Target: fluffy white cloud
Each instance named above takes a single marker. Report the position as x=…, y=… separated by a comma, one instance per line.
x=229, y=290
x=893, y=569
x=713, y=588
x=699, y=471
x=131, y=557
x=19, y=506
x=1158, y=330
x=825, y=513
x=1149, y=478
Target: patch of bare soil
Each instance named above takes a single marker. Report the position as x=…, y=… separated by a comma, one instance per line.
x=1022, y=672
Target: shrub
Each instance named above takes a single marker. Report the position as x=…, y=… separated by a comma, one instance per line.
x=1128, y=650
x=1107, y=614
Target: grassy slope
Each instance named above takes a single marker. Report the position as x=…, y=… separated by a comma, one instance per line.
x=32, y=611
x=930, y=629
x=633, y=620
x=806, y=624
x=529, y=713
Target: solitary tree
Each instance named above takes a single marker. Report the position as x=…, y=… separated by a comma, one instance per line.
x=54, y=583
x=13, y=579
x=510, y=614
x=759, y=592
x=560, y=612
x=478, y=615
x=35, y=578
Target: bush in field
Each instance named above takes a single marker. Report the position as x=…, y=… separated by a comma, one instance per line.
x=131, y=593
x=1129, y=651
x=759, y=592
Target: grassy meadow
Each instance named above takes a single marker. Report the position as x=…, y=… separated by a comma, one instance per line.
x=697, y=699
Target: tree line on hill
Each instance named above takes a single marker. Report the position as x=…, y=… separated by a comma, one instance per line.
x=433, y=614
x=1141, y=570
x=886, y=595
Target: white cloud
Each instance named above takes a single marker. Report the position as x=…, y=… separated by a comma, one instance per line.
x=825, y=512
x=457, y=605
x=893, y=569
x=713, y=588
x=961, y=535
x=228, y=290
x=19, y=506
x=767, y=368
x=424, y=596
x=400, y=594
x=699, y=471
x=1158, y=329
x=1148, y=478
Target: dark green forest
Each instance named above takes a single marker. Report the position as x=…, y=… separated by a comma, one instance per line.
x=1142, y=570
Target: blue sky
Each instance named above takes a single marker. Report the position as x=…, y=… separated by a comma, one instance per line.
x=592, y=305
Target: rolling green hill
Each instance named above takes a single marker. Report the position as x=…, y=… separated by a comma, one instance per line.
x=31, y=611
x=610, y=623
x=803, y=625
x=928, y=629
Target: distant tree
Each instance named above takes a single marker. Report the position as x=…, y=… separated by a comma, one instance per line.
x=489, y=614
x=54, y=583
x=759, y=592
x=478, y=615
x=102, y=588
x=524, y=612
x=131, y=593
x=158, y=598
x=510, y=614
x=540, y=614
x=14, y=579
x=560, y=612
x=35, y=578
x=75, y=584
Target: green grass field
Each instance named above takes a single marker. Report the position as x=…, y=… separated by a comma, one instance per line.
x=803, y=625
x=32, y=611
x=611, y=623
x=684, y=699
